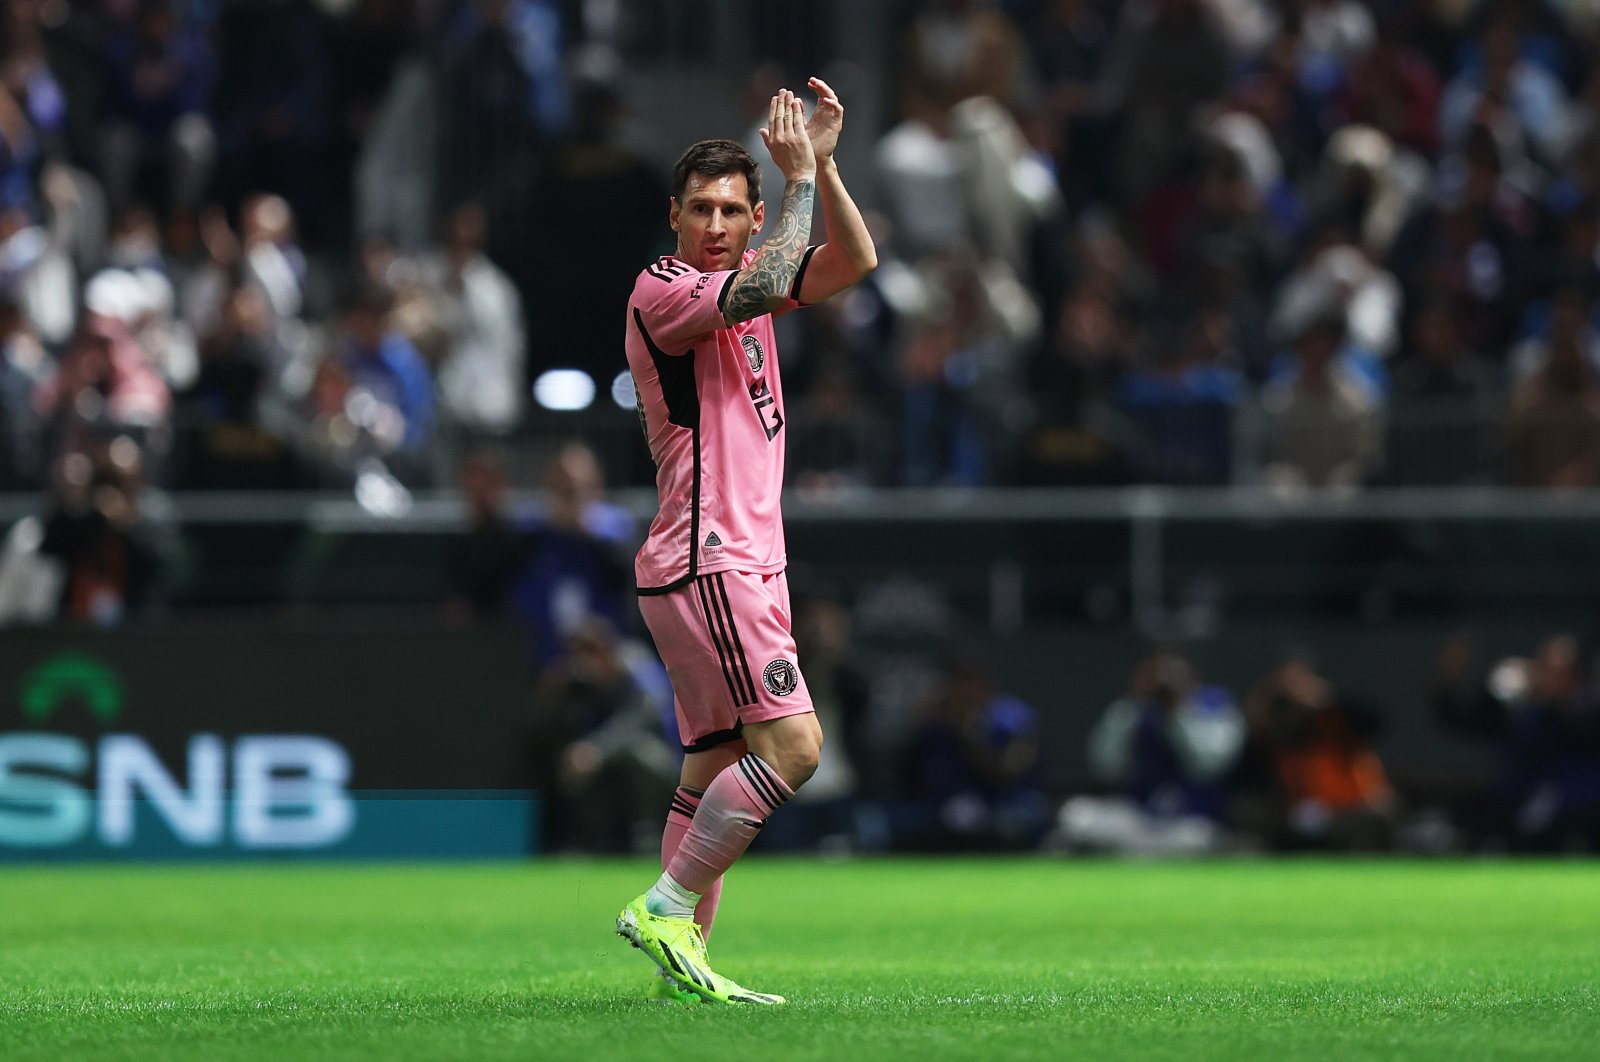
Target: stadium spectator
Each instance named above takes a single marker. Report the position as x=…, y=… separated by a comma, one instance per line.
x=143, y=302
x=418, y=300
x=1167, y=747
x=577, y=561
x=201, y=252
x=158, y=143
x=961, y=372
x=271, y=110
x=1446, y=405
x=1520, y=100
x=112, y=552
x=1069, y=41
x=594, y=173
x=134, y=240
x=24, y=363
x=1568, y=238
x=396, y=178
x=1071, y=379
x=1555, y=415
x=1170, y=59
x=1324, y=416
x=1365, y=188
x=967, y=179
x=1273, y=88
x=920, y=161
x=1569, y=323
x=500, y=99
x=36, y=270
x=481, y=374
x=971, y=773
x=602, y=715
x=1010, y=190
x=1471, y=242
x=1542, y=717
x=30, y=83
x=394, y=387
x=103, y=387
x=486, y=559
x=223, y=443
x=1394, y=90
x=1308, y=777
x=1333, y=275
x=841, y=444
x=1181, y=399
x=1228, y=224
x=332, y=432
x=954, y=50
x=1336, y=32
x=271, y=259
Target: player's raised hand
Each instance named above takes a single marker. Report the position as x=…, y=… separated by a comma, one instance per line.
x=827, y=119
x=786, y=137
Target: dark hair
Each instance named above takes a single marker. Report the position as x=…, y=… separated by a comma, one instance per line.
x=714, y=158
x=369, y=296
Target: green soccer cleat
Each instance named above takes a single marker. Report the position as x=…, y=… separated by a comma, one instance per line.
x=676, y=946
x=664, y=990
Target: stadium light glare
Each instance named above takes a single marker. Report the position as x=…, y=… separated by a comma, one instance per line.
x=623, y=391
x=564, y=390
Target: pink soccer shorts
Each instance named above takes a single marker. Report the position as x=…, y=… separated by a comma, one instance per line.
x=729, y=650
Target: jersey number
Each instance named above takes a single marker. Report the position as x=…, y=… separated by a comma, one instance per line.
x=767, y=410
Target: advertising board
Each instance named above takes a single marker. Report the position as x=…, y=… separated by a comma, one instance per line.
x=253, y=741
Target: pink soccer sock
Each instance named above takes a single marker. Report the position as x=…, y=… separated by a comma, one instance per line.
x=731, y=812
x=684, y=803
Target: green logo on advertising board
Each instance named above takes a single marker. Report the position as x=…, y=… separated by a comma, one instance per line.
x=67, y=675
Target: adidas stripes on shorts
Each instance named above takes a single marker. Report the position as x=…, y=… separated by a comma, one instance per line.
x=728, y=645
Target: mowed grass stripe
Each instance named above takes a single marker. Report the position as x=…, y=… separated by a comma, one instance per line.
x=930, y=959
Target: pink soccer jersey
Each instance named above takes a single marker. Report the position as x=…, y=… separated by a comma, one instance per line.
x=712, y=407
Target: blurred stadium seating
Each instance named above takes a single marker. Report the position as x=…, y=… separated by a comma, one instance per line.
x=1268, y=331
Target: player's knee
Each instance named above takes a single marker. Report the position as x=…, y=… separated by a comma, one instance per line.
x=803, y=756
x=791, y=747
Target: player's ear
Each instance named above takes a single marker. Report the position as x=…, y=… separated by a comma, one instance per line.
x=758, y=215
x=672, y=216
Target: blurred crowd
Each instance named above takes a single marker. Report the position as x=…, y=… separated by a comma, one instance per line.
x=1309, y=243
x=1178, y=767
x=1188, y=770
x=232, y=234
x=1313, y=244
x=927, y=749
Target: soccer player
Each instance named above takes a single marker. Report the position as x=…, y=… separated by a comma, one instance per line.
x=711, y=571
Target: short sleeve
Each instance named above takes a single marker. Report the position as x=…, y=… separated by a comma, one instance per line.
x=793, y=301
x=677, y=305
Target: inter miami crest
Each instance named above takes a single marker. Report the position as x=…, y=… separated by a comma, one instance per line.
x=753, y=351
x=780, y=678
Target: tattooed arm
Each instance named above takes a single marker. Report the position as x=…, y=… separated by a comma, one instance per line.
x=764, y=284
x=848, y=254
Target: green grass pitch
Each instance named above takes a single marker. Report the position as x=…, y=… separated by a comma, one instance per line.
x=976, y=959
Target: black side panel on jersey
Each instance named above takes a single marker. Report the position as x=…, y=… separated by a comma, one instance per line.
x=683, y=409
x=677, y=379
